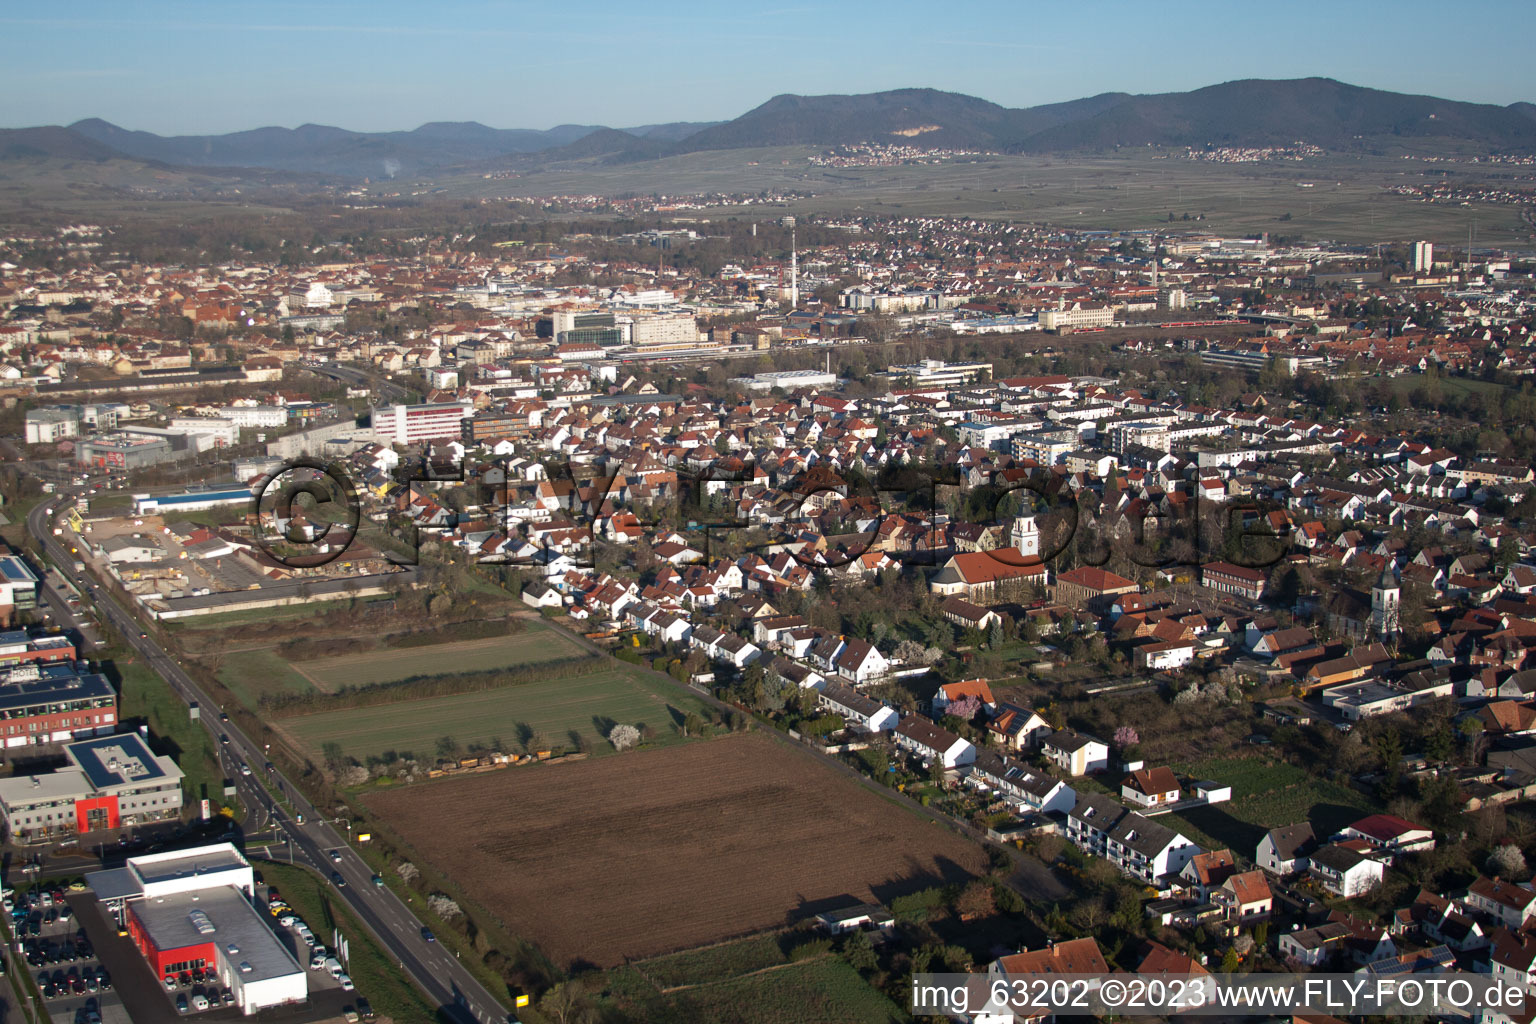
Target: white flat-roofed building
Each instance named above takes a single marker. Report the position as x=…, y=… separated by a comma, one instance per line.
x=1078, y=316
x=218, y=927
x=186, y=909
x=18, y=583
x=255, y=415
x=789, y=380
x=45, y=426
x=414, y=424
x=223, y=432
x=935, y=373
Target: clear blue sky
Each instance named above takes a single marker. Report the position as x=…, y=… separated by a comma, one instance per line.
x=182, y=67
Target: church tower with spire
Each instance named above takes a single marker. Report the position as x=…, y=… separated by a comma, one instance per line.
x=1386, y=602
x=1025, y=536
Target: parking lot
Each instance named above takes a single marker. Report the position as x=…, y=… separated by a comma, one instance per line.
x=52, y=947
x=136, y=995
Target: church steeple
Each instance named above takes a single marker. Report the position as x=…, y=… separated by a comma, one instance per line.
x=1386, y=602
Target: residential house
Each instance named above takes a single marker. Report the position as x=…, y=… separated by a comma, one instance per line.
x=1071, y=957
x=1284, y=851
x=1076, y=753
x=1344, y=870
x=1150, y=787
x=1511, y=905
x=951, y=692
x=921, y=738
x=1245, y=896
x=1030, y=790
x=1341, y=938
x=857, y=709
x=1206, y=871
x=1017, y=728
x=1392, y=834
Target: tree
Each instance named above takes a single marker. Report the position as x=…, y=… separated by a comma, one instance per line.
x=566, y=1003
x=1507, y=861
x=1389, y=747
x=1230, y=962
x=965, y=708
x=976, y=900
x=332, y=753
x=693, y=724
x=623, y=737
x=1126, y=736
x=936, y=771
x=859, y=951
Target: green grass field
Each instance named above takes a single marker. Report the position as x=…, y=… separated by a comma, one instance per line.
x=383, y=986
x=146, y=696
x=585, y=705
x=252, y=675
x=713, y=963
x=532, y=647
x=1265, y=794
x=750, y=982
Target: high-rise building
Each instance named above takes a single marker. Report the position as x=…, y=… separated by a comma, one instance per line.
x=1423, y=257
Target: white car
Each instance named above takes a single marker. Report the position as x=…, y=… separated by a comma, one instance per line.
x=346, y=982
x=199, y=1002
x=287, y=920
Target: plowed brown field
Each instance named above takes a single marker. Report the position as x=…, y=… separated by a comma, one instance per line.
x=663, y=849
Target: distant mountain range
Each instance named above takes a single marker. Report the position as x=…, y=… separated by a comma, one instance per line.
x=1250, y=113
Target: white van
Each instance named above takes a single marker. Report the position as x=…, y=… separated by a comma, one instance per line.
x=333, y=966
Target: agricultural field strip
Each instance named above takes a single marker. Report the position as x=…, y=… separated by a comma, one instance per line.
x=552, y=707
x=391, y=664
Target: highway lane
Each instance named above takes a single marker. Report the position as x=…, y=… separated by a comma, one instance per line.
x=435, y=971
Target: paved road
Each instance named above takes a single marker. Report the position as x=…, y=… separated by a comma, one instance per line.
x=383, y=390
x=434, y=970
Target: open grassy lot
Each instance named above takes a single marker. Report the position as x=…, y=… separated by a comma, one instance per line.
x=1266, y=794
x=669, y=848
x=586, y=705
x=386, y=666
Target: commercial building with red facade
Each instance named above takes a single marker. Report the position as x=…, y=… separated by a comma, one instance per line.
x=192, y=909
x=111, y=782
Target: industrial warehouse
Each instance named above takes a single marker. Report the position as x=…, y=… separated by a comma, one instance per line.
x=191, y=909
